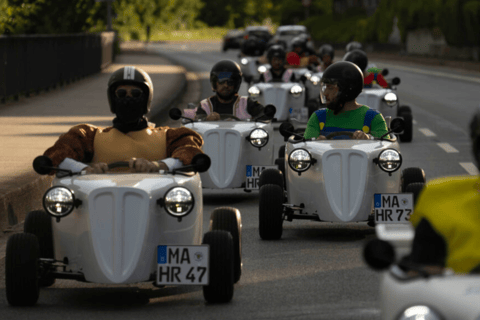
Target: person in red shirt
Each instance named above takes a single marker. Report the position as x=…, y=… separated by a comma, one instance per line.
x=371, y=76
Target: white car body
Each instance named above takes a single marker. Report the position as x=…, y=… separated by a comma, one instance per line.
x=374, y=98
x=112, y=237
x=340, y=186
x=249, y=67
x=230, y=152
x=279, y=94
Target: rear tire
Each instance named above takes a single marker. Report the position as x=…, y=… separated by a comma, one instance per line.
x=412, y=175
x=21, y=269
x=406, y=113
x=39, y=223
x=271, y=176
x=271, y=212
x=415, y=188
x=220, y=289
x=229, y=219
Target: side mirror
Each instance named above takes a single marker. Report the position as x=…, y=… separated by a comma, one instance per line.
x=42, y=165
x=385, y=72
x=257, y=62
x=270, y=110
x=175, y=113
x=397, y=125
x=303, y=78
x=248, y=79
x=286, y=129
x=396, y=81
x=201, y=162
x=379, y=254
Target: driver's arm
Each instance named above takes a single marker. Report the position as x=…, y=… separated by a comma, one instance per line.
x=379, y=127
x=313, y=127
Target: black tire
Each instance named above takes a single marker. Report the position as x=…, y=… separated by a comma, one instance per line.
x=403, y=109
x=220, y=289
x=415, y=188
x=270, y=212
x=271, y=176
x=407, y=134
x=281, y=152
x=229, y=219
x=39, y=223
x=21, y=269
x=412, y=175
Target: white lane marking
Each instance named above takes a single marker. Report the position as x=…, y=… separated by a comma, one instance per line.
x=447, y=147
x=414, y=121
x=427, y=132
x=433, y=73
x=470, y=168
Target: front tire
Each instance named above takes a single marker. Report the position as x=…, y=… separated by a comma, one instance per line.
x=412, y=175
x=220, y=289
x=229, y=219
x=21, y=269
x=271, y=212
x=271, y=176
x=406, y=113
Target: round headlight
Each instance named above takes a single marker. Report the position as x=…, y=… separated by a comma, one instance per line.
x=296, y=91
x=300, y=160
x=59, y=201
x=244, y=61
x=262, y=69
x=178, y=201
x=390, y=98
x=419, y=312
x=254, y=92
x=390, y=160
x=258, y=138
x=315, y=80
x=308, y=75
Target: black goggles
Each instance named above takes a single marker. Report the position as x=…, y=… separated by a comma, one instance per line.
x=122, y=93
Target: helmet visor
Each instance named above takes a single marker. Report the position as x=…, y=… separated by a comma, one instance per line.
x=329, y=91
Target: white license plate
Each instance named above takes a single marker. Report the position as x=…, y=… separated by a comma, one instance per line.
x=253, y=175
x=393, y=207
x=185, y=265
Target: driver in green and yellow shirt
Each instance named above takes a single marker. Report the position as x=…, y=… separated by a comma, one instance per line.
x=341, y=83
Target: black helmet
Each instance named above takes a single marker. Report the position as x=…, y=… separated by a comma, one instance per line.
x=132, y=76
x=475, y=135
x=299, y=41
x=327, y=50
x=347, y=76
x=276, y=51
x=226, y=69
x=353, y=45
x=358, y=57
x=252, y=46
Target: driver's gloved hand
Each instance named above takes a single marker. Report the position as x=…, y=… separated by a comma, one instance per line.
x=213, y=117
x=320, y=137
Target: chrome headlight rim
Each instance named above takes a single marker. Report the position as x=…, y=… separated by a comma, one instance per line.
x=315, y=80
x=290, y=160
x=254, y=91
x=412, y=312
x=390, y=99
x=262, y=69
x=244, y=61
x=266, y=138
x=71, y=202
x=381, y=162
x=176, y=214
x=296, y=91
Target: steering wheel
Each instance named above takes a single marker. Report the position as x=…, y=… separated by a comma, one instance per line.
x=339, y=133
x=119, y=164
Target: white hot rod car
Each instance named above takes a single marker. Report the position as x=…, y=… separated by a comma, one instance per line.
x=333, y=180
x=239, y=149
x=123, y=228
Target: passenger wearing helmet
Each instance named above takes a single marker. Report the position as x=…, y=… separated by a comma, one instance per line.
x=371, y=76
x=353, y=45
x=300, y=56
x=131, y=137
x=326, y=54
x=276, y=56
x=341, y=83
x=226, y=78
x=446, y=220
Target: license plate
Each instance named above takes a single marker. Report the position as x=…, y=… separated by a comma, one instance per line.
x=185, y=265
x=253, y=175
x=393, y=207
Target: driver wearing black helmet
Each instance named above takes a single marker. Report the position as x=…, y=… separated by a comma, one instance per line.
x=326, y=54
x=226, y=78
x=370, y=76
x=301, y=56
x=276, y=56
x=341, y=83
x=131, y=138
x=446, y=220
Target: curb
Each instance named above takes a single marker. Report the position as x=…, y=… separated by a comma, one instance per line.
x=15, y=204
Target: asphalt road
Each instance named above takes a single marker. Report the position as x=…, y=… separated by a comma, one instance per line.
x=316, y=271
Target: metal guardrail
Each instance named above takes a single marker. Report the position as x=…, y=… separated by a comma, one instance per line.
x=32, y=63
